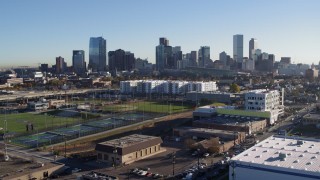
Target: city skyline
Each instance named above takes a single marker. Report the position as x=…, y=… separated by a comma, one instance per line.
x=41, y=34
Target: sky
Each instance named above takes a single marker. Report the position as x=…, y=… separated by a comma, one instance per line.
x=37, y=31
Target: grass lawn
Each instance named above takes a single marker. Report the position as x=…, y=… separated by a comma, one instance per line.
x=147, y=106
x=17, y=122
x=162, y=107
x=120, y=107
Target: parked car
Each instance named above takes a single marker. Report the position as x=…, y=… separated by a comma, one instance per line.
x=149, y=174
x=206, y=154
x=142, y=173
x=75, y=170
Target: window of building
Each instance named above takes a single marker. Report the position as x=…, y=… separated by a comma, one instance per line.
x=105, y=157
x=146, y=151
x=141, y=153
x=150, y=150
x=99, y=156
x=155, y=148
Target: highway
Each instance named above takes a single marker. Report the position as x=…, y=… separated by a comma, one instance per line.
x=35, y=94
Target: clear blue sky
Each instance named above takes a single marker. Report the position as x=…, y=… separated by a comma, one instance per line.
x=37, y=31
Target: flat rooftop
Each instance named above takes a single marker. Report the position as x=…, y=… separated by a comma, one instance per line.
x=261, y=91
x=233, y=120
x=291, y=153
x=128, y=141
x=205, y=130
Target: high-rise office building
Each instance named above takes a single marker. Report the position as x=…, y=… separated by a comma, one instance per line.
x=253, y=44
x=193, y=58
x=285, y=60
x=238, y=47
x=97, y=54
x=44, y=67
x=160, y=57
x=164, y=57
x=60, y=65
x=204, y=56
x=223, y=58
x=164, y=41
x=176, y=55
x=78, y=62
x=121, y=60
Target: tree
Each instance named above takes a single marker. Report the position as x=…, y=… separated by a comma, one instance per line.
x=234, y=88
x=214, y=145
x=190, y=143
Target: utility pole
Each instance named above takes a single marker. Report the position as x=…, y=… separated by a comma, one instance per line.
x=173, y=162
x=65, y=146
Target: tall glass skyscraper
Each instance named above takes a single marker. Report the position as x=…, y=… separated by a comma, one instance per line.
x=238, y=47
x=97, y=54
x=204, y=56
x=253, y=45
x=78, y=63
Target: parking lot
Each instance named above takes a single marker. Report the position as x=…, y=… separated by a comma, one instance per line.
x=158, y=164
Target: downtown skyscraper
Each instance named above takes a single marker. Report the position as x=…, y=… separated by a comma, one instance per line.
x=253, y=45
x=238, y=47
x=164, y=56
x=204, y=56
x=78, y=62
x=97, y=54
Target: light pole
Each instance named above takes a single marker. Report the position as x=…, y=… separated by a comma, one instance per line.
x=173, y=162
x=198, y=158
x=45, y=120
x=114, y=158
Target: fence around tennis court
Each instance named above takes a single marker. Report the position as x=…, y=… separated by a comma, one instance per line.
x=72, y=132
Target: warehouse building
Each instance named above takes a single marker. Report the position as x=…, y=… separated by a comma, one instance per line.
x=205, y=133
x=128, y=149
x=278, y=157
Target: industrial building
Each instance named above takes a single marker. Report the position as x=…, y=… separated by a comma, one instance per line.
x=313, y=119
x=278, y=157
x=205, y=133
x=128, y=149
x=230, y=119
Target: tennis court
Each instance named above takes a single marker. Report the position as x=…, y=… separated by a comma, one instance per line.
x=132, y=116
x=75, y=130
x=72, y=132
x=39, y=139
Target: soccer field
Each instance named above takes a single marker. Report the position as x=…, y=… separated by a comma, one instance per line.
x=161, y=107
x=17, y=122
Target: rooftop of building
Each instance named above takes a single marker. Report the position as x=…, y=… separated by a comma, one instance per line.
x=283, y=152
x=129, y=140
x=205, y=130
x=233, y=120
x=262, y=91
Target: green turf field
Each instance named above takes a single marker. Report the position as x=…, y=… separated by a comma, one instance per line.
x=147, y=106
x=17, y=122
x=164, y=107
x=153, y=107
